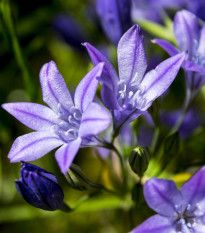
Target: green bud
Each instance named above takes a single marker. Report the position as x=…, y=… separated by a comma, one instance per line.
x=139, y=160
x=77, y=179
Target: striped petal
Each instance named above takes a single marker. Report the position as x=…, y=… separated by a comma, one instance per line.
x=168, y=47
x=86, y=89
x=109, y=75
x=94, y=120
x=54, y=89
x=157, y=81
x=186, y=31
x=35, y=116
x=66, y=154
x=33, y=146
x=132, y=62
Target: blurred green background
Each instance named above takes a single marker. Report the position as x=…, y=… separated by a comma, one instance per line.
x=27, y=41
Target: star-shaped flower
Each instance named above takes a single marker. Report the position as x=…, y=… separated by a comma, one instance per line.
x=189, y=38
x=178, y=211
x=67, y=123
x=133, y=92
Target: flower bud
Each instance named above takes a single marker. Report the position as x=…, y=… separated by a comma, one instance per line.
x=139, y=160
x=78, y=180
x=40, y=188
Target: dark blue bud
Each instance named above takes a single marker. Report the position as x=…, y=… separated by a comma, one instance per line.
x=39, y=188
x=115, y=17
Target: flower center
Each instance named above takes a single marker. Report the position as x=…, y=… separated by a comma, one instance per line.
x=69, y=125
x=186, y=219
x=130, y=99
x=197, y=57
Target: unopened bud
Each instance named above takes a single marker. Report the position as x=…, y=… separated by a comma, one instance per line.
x=78, y=180
x=139, y=160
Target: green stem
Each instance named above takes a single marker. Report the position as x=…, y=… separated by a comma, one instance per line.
x=9, y=29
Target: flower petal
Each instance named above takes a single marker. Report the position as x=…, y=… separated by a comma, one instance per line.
x=186, y=30
x=32, y=146
x=54, y=89
x=191, y=66
x=35, y=116
x=132, y=62
x=193, y=190
x=201, y=48
x=162, y=196
x=155, y=224
x=157, y=81
x=66, y=154
x=109, y=98
x=86, y=89
x=94, y=120
x=171, y=49
x=109, y=76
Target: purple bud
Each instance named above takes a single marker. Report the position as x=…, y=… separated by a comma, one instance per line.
x=39, y=188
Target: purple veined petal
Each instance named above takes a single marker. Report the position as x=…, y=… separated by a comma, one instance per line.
x=186, y=30
x=191, y=66
x=157, y=81
x=94, y=120
x=54, y=89
x=109, y=75
x=155, y=224
x=168, y=47
x=162, y=196
x=109, y=98
x=199, y=227
x=33, y=146
x=85, y=91
x=201, y=48
x=132, y=62
x=193, y=190
x=66, y=154
x=35, y=116
x=108, y=12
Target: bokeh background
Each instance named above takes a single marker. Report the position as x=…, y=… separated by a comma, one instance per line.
x=31, y=34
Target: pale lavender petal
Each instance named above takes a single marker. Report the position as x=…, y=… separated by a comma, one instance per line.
x=32, y=146
x=109, y=98
x=85, y=91
x=155, y=224
x=171, y=49
x=194, y=190
x=35, y=116
x=94, y=120
x=157, y=81
x=191, y=66
x=66, y=154
x=162, y=196
x=54, y=89
x=201, y=48
x=186, y=31
x=199, y=227
x=109, y=76
x=132, y=62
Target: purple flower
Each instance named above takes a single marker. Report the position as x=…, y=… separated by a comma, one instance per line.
x=39, y=188
x=152, y=9
x=132, y=93
x=189, y=38
x=178, y=211
x=115, y=17
x=67, y=123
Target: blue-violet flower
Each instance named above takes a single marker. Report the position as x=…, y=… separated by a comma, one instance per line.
x=189, y=38
x=178, y=211
x=67, y=123
x=133, y=92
